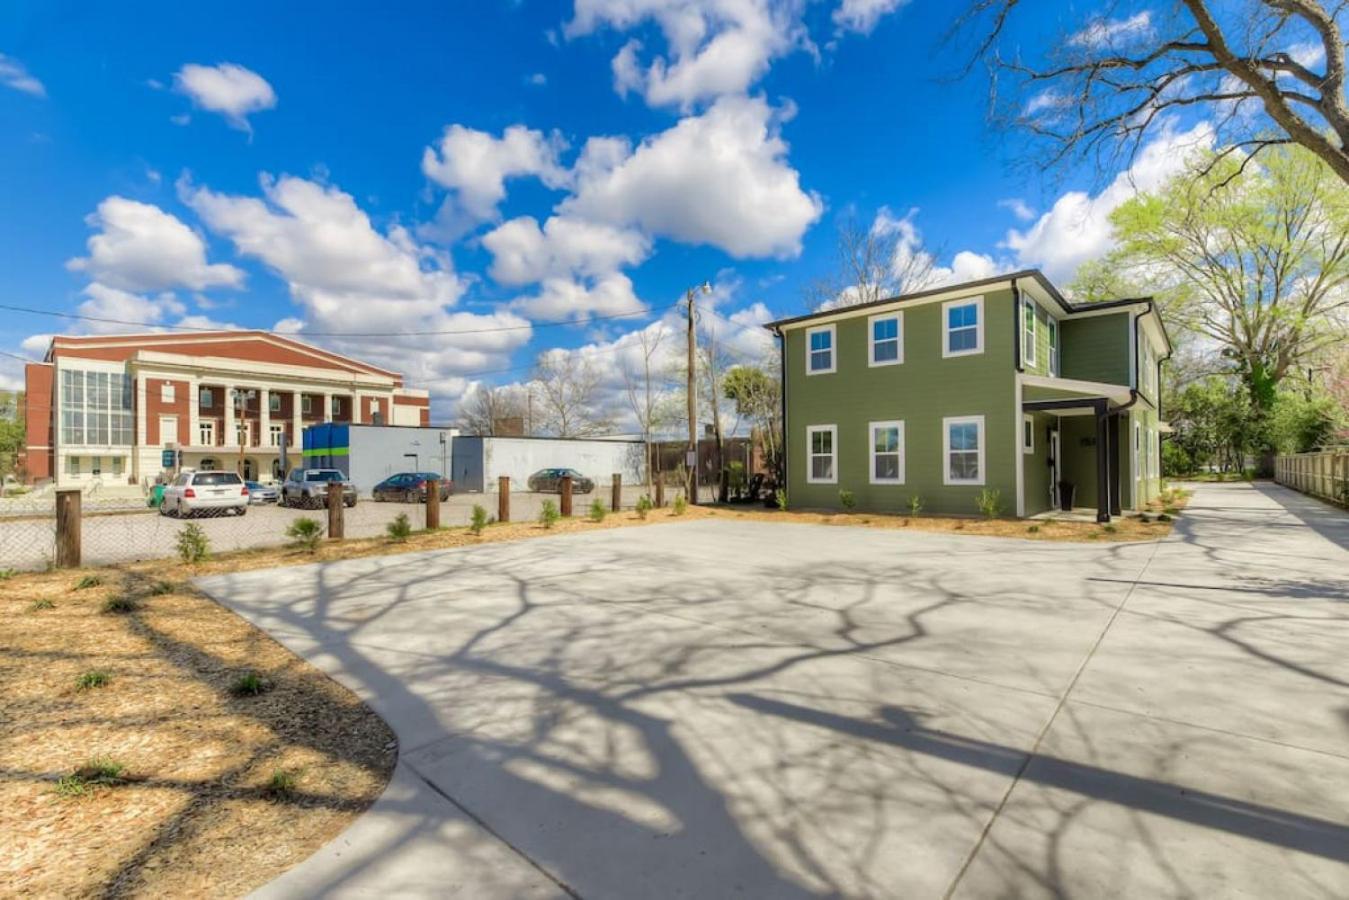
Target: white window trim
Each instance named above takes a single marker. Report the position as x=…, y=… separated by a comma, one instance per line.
x=1054, y=338
x=204, y=426
x=897, y=424
x=810, y=455
x=1027, y=419
x=275, y=433
x=946, y=424
x=833, y=349
x=871, y=339
x=946, y=350
x=1029, y=351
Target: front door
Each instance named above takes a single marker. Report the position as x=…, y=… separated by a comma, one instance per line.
x=250, y=470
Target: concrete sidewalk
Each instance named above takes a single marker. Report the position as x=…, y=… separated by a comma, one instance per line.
x=754, y=709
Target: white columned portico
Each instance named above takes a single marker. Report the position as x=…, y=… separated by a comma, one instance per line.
x=194, y=410
x=356, y=407
x=296, y=441
x=264, y=417
x=231, y=438
x=326, y=410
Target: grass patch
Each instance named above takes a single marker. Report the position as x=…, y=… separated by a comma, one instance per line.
x=94, y=679
x=7, y=574
x=98, y=772
x=44, y=603
x=120, y=604
x=250, y=684
x=282, y=783
x=305, y=533
x=88, y=581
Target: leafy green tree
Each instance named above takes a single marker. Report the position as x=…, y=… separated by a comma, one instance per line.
x=12, y=437
x=1251, y=259
x=758, y=397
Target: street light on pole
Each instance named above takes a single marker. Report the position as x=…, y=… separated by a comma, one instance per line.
x=691, y=460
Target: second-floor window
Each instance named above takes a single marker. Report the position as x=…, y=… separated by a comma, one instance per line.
x=963, y=327
x=306, y=404
x=820, y=350
x=886, y=341
x=204, y=398
x=274, y=402
x=1028, y=333
x=166, y=392
x=1053, y=346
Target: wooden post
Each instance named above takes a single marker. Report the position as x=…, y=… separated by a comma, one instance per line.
x=335, y=529
x=616, y=498
x=660, y=492
x=504, y=498
x=68, y=505
x=564, y=489
x=432, y=505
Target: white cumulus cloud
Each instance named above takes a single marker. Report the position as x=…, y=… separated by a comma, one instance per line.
x=13, y=74
x=228, y=89
x=140, y=247
x=523, y=252
x=1100, y=33
x=474, y=166
x=861, y=16
x=103, y=302
x=560, y=299
x=719, y=178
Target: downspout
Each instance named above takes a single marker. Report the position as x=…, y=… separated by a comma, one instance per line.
x=782, y=382
x=1017, y=325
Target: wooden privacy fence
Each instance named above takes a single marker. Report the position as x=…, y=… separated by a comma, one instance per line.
x=1321, y=473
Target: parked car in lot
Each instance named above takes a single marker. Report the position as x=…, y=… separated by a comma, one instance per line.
x=549, y=481
x=262, y=493
x=192, y=493
x=410, y=487
x=309, y=487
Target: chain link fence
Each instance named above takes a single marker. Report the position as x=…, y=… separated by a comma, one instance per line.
x=115, y=530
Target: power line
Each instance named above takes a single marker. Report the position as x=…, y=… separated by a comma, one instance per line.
x=338, y=334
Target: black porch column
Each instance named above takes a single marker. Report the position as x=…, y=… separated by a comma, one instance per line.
x=1102, y=462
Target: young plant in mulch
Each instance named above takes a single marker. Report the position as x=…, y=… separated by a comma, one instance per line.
x=250, y=684
x=158, y=588
x=282, y=783
x=479, y=520
x=915, y=505
x=44, y=603
x=93, y=679
x=120, y=603
x=597, y=510
x=7, y=574
x=305, y=533
x=193, y=545
x=847, y=499
x=989, y=502
x=780, y=495
x=1109, y=529
x=88, y=581
x=98, y=772
x=400, y=529
x=1034, y=529
x=681, y=505
x=644, y=506
x=548, y=515
x=1164, y=517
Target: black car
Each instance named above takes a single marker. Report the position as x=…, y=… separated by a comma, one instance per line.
x=410, y=487
x=550, y=481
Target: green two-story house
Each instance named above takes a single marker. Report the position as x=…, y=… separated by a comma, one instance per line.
x=994, y=385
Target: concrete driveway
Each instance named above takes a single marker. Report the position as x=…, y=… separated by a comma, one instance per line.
x=748, y=709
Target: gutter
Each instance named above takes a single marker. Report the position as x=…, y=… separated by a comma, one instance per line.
x=1017, y=325
x=782, y=391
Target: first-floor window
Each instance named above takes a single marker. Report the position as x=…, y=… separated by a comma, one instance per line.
x=117, y=465
x=277, y=435
x=822, y=444
x=72, y=465
x=963, y=443
x=1027, y=433
x=887, y=452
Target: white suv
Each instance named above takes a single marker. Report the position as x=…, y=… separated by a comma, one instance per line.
x=208, y=492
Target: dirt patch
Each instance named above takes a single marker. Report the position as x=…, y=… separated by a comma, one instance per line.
x=155, y=778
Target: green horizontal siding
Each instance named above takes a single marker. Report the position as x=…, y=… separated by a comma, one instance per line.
x=921, y=391
x=1097, y=348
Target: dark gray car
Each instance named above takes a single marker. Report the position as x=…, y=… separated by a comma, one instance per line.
x=309, y=488
x=549, y=481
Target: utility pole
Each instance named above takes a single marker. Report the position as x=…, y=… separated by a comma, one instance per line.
x=692, y=458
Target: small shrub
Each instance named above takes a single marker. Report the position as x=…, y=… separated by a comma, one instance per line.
x=597, y=510
x=88, y=581
x=193, y=544
x=400, y=528
x=989, y=502
x=681, y=505
x=848, y=500
x=305, y=533
x=1109, y=528
x=479, y=520
x=548, y=515
x=159, y=588
x=98, y=772
x=93, y=679
x=44, y=603
x=250, y=684
x=7, y=574
x=282, y=783
x=915, y=505
x=122, y=603
x=1164, y=517
x=643, y=506
x=1145, y=518
x=1034, y=529
x=781, y=496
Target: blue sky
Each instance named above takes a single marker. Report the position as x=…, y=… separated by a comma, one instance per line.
x=494, y=167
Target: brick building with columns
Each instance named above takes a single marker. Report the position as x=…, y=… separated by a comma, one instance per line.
x=103, y=408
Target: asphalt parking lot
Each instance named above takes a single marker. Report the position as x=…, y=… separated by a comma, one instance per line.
x=724, y=708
